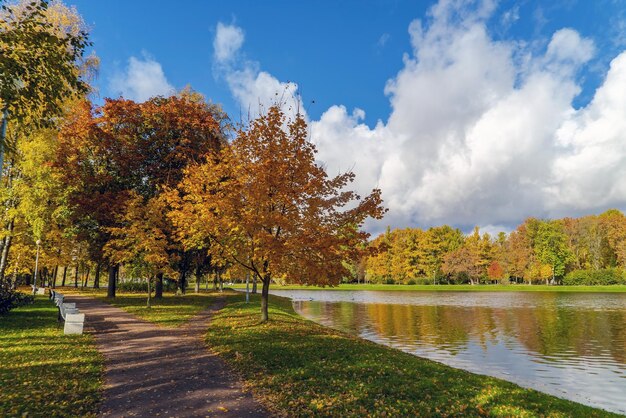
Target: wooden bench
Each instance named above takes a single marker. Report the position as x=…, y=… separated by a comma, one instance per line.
x=74, y=320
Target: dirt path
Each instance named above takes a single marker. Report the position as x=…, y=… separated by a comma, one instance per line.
x=153, y=371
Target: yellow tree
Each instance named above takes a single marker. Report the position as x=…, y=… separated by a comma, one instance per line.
x=140, y=240
x=265, y=204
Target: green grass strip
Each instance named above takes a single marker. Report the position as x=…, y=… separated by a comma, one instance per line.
x=299, y=368
x=170, y=311
x=42, y=371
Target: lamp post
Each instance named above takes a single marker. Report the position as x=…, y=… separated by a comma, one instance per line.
x=36, y=266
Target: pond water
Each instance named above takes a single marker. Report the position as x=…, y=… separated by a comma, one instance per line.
x=572, y=345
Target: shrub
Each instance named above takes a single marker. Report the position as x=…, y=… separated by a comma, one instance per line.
x=390, y=281
x=411, y=281
x=594, y=277
x=10, y=299
x=423, y=280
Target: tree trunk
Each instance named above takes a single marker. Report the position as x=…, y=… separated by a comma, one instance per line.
x=198, y=270
x=96, y=280
x=64, y=276
x=76, y=277
x=14, y=283
x=86, y=278
x=149, y=293
x=158, y=286
x=111, y=284
x=265, y=298
x=5, y=249
x=182, y=281
x=219, y=280
x=254, y=283
x=54, y=277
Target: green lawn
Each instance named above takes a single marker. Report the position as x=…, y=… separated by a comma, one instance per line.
x=454, y=287
x=300, y=368
x=173, y=310
x=42, y=371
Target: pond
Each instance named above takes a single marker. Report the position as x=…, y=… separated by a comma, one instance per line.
x=571, y=345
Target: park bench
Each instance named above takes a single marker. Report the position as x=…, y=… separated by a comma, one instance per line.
x=74, y=320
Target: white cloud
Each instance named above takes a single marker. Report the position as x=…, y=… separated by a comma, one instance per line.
x=254, y=90
x=382, y=41
x=228, y=40
x=481, y=132
x=142, y=79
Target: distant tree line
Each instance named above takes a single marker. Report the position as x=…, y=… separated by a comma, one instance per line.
x=577, y=251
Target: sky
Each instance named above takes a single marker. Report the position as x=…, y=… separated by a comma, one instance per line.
x=464, y=112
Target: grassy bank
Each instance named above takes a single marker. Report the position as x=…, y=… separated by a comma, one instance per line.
x=302, y=369
x=455, y=287
x=42, y=371
x=170, y=311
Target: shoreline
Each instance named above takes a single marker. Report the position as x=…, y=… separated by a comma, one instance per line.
x=527, y=384
x=291, y=355
x=450, y=288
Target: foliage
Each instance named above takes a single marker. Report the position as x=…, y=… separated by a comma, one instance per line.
x=551, y=247
x=116, y=160
x=536, y=251
x=299, y=368
x=495, y=271
x=602, y=277
x=46, y=373
x=264, y=203
x=11, y=299
x=41, y=62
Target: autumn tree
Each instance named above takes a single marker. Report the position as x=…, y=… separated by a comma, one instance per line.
x=265, y=204
x=462, y=262
x=495, y=271
x=551, y=247
x=439, y=241
x=111, y=155
x=41, y=64
x=140, y=241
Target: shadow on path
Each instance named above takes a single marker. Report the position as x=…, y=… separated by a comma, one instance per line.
x=152, y=371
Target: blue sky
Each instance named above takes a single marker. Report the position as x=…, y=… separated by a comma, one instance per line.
x=433, y=73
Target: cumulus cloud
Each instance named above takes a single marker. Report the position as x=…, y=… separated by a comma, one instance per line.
x=141, y=79
x=254, y=90
x=228, y=39
x=481, y=132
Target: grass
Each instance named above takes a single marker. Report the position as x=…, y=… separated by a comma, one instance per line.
x=299, y=368
x=42, y=371
x=455, y=287
x=171, y=311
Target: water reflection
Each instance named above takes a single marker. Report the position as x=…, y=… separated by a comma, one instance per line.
x=567, y=344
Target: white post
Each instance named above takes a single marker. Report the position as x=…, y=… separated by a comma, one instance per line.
x=36, y=267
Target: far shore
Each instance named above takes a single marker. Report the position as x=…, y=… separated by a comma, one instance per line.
x=451, y=288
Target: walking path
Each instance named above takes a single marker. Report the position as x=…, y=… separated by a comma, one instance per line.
x=152, y=371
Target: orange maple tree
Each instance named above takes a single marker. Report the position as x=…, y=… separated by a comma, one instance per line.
x=114, y=154
x=266, y=205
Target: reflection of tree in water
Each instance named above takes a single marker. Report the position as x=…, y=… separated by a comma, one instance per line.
x=568, y=333
x=549, y=330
